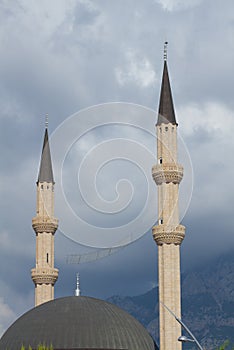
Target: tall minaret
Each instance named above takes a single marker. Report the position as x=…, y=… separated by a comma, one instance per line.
x=168, y=234
x=44, y=275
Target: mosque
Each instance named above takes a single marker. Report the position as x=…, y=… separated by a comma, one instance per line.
x=85, y=323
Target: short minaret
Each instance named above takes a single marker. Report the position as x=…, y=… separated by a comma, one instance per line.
x=44, y=275
x=77, y=290
x=168, y=233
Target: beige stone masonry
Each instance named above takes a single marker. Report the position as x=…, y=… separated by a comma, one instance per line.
x=168, y=234
x=165, y=173
x=41, y=224
x=44, y=275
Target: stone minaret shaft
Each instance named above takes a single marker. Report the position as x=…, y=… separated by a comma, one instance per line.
x=44, y=275
x=168, y=234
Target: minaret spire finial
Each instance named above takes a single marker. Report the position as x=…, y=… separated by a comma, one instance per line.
x=165, y=51
x=166, y=112
x=46, y=120
x=77, y=291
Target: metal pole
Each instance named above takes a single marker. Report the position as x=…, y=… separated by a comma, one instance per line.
x=184, y=326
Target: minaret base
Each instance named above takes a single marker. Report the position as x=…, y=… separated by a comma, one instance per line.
x=169, y=295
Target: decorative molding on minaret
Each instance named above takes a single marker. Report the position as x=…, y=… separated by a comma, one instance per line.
x=168, y=234
x=44, y=275
x=77, y=290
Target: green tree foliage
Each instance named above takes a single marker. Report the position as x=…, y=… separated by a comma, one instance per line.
x=40, y=347
x=225, y=345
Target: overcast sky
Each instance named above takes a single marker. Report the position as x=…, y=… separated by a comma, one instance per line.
x=62, y=57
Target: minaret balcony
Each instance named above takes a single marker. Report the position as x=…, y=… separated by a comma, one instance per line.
x=41, y=225
x=167, y=172
x=44, y=275
x=168, y=234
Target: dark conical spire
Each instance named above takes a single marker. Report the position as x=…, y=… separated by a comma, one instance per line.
x=166, y=113
x=46, y=171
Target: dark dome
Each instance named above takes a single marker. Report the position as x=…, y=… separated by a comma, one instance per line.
x=77, y=323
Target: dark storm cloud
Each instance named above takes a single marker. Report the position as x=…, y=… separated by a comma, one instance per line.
x=116, y=279
x=58, y=58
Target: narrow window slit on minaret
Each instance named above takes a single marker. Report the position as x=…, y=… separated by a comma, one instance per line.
x=47, y=258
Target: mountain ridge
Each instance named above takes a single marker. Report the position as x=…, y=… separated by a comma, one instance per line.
x=207, y=303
